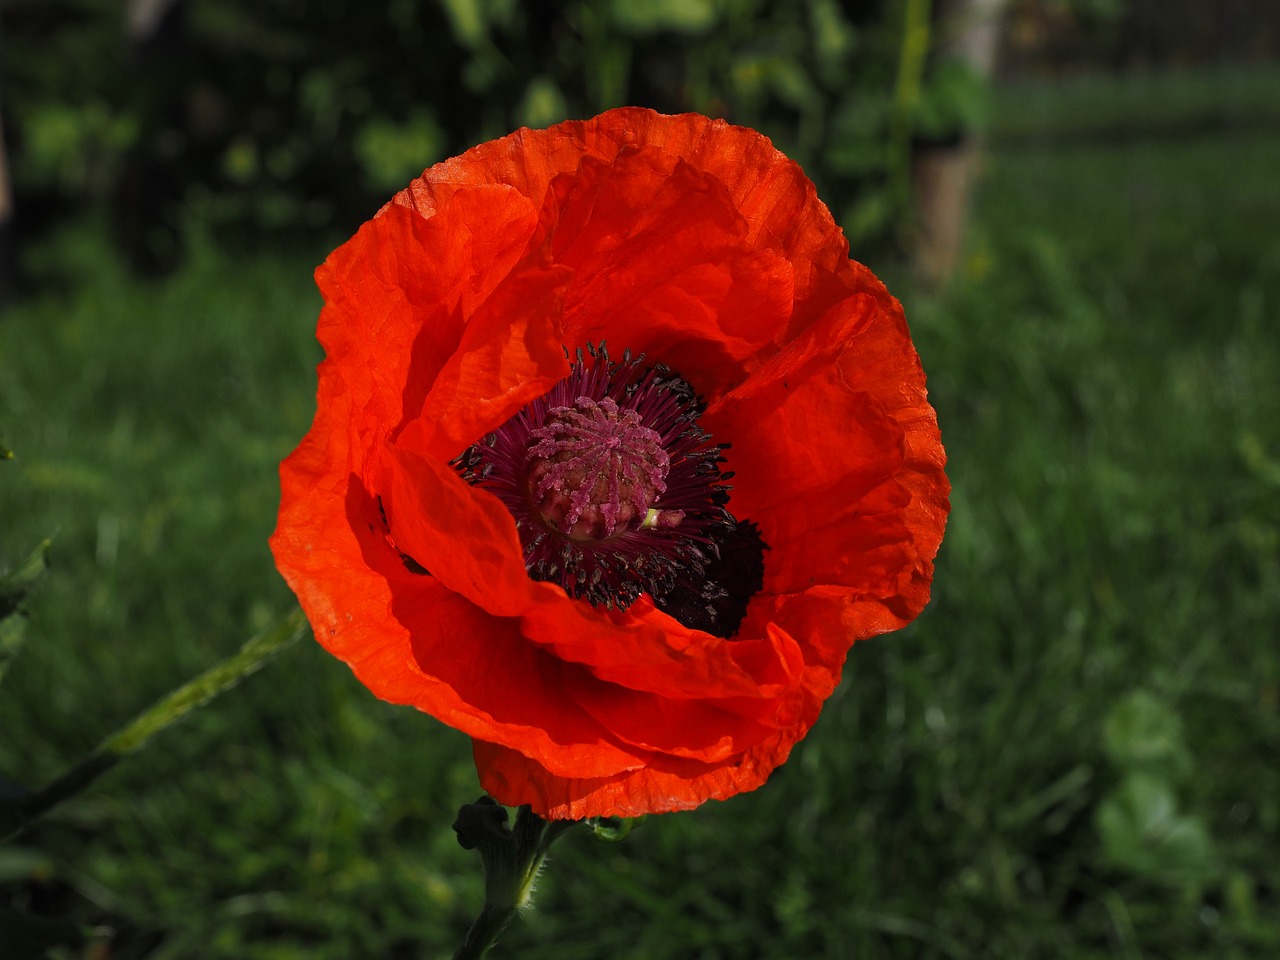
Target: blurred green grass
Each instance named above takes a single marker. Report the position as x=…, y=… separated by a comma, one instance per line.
x=1071, y=754
x=1141, y=102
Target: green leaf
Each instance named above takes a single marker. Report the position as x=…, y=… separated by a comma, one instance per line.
x=1143, y=732
x=543, y=103
x=15, y=587
x=871, y=214
x=1143, y=831
x=393, y=153
x=678, y=16
x=954, y=99
x=1260, y=465
x=833, y=40
x=473, y=20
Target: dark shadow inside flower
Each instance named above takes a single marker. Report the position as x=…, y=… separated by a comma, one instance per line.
x=717, y=602
x=410, y=564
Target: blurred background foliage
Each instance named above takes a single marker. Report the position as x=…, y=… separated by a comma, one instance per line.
x=1072, y=753
x=268, y=118
x=292, y=116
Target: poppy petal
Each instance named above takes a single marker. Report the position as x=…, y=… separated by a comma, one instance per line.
x=511, y=352
x=644, y=649
x=399, y=294
x=665, y=784
x=661, y=264
x=778, y=201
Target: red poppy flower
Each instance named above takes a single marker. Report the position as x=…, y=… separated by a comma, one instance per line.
x=616, y=454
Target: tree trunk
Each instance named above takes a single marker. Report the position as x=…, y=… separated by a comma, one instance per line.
x=968, y=30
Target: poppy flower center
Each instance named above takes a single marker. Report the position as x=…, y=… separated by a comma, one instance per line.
x=616, y=490
x=594, y=469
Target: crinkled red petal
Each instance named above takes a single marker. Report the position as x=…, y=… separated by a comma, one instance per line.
x=662, y=264
x=778, y=202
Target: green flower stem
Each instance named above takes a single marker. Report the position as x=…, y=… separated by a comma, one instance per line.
x=484, y=932
x=512, y=859
x=167, y=710
x=914, y=51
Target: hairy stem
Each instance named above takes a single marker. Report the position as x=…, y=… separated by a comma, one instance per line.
x=151, y=721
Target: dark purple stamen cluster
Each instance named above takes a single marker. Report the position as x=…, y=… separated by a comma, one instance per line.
x=616, y=490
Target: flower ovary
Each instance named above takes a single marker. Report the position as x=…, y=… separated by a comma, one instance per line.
x=594, y=468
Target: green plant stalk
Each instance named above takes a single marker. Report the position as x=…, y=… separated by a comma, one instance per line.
x=512, y=861
x=15, y=586
x=916, y=31
x=167, y=710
